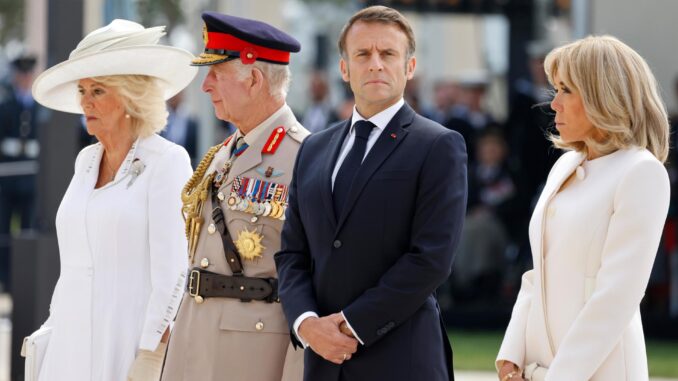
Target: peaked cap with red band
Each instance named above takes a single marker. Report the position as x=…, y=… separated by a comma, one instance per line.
x=229, y=37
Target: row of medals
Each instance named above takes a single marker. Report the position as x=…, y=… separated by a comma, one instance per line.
x=268, y=208
x=273, y=209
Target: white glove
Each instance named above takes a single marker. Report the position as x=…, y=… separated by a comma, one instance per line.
x=148, y=365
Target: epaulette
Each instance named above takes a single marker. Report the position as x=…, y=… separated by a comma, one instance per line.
x=298, y=132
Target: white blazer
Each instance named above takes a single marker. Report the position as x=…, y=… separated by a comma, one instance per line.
x=123, y=262
x=593, y=246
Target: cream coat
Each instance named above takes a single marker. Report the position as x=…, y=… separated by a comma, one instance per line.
x=593, y=244
x=218, y=339
x=123, y=262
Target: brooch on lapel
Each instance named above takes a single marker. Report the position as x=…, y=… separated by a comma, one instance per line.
x=135, y=170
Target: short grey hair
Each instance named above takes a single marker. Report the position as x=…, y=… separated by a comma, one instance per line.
x=277, y=76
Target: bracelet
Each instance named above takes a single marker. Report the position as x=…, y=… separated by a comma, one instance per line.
x=510, y=375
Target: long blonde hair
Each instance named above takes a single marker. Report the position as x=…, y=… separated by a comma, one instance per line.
x=619, y=92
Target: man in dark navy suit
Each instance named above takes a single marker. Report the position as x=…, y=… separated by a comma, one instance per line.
x=376, y=207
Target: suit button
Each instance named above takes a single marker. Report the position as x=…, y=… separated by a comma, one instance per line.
x=337, y=244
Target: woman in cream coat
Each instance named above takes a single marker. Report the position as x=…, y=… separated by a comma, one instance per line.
x=120, y=231
x=597, y=225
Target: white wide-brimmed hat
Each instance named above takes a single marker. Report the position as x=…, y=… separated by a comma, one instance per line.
x=119, y=48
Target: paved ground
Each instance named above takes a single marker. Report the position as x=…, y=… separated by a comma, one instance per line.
x=487, y=376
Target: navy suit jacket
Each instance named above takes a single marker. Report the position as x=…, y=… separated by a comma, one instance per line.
x=380, y=260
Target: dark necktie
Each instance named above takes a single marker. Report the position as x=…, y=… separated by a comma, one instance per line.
x=351, y=164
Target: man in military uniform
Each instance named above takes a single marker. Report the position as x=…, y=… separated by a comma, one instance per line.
x=230, y=324
x=19, y=117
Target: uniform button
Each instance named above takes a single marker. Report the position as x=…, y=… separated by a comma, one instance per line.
x=337, y=244
x=204, y=263
x=211, y=229
x=293, y=129
x=253, y=219
x=259, y=326
x=221, y=196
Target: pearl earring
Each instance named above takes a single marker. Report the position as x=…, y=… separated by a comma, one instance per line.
x=127, y=116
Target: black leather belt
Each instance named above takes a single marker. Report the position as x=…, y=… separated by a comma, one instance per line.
x=206, y=284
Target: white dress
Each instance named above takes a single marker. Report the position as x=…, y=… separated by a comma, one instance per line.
x=123, y=262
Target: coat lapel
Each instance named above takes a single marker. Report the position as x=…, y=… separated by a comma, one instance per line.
x=252, y=155
x=334, y=148
x=394, y=133
x=552, y=186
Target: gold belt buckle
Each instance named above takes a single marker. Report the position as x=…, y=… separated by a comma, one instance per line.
x=193, y=291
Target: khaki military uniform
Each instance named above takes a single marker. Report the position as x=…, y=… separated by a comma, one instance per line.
x=225, y=338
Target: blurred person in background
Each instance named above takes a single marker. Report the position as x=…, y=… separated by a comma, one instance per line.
x=443, y=101
x=597, y=225
x=468, y=114
x=531, y=153
x=121, y=237
x=182, y=127
x=529, y=122
x=319, y=114
x=487, y=230
x=20, y=117
x=672, y=242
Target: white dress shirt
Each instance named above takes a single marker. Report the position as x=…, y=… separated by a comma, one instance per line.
x=380, y=120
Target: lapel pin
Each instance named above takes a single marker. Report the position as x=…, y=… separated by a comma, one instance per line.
x=393, y=136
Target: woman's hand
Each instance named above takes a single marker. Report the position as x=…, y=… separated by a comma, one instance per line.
x=510, y=372
x=148, y=365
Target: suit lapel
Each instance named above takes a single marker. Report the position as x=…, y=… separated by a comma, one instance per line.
x=390, y=138
x=334, y=148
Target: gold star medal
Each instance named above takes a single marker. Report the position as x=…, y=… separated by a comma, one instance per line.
x=249, y=244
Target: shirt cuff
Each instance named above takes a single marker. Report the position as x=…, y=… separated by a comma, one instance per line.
x=298, y=322
x=351, y=328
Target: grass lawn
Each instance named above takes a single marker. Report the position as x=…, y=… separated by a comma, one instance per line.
x=477, y=351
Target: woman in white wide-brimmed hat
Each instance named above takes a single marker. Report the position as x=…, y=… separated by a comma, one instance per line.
x=121, y=235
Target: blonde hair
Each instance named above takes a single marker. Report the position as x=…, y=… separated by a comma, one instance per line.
x=143, y=100
x=619, y=93
x=277, y=76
